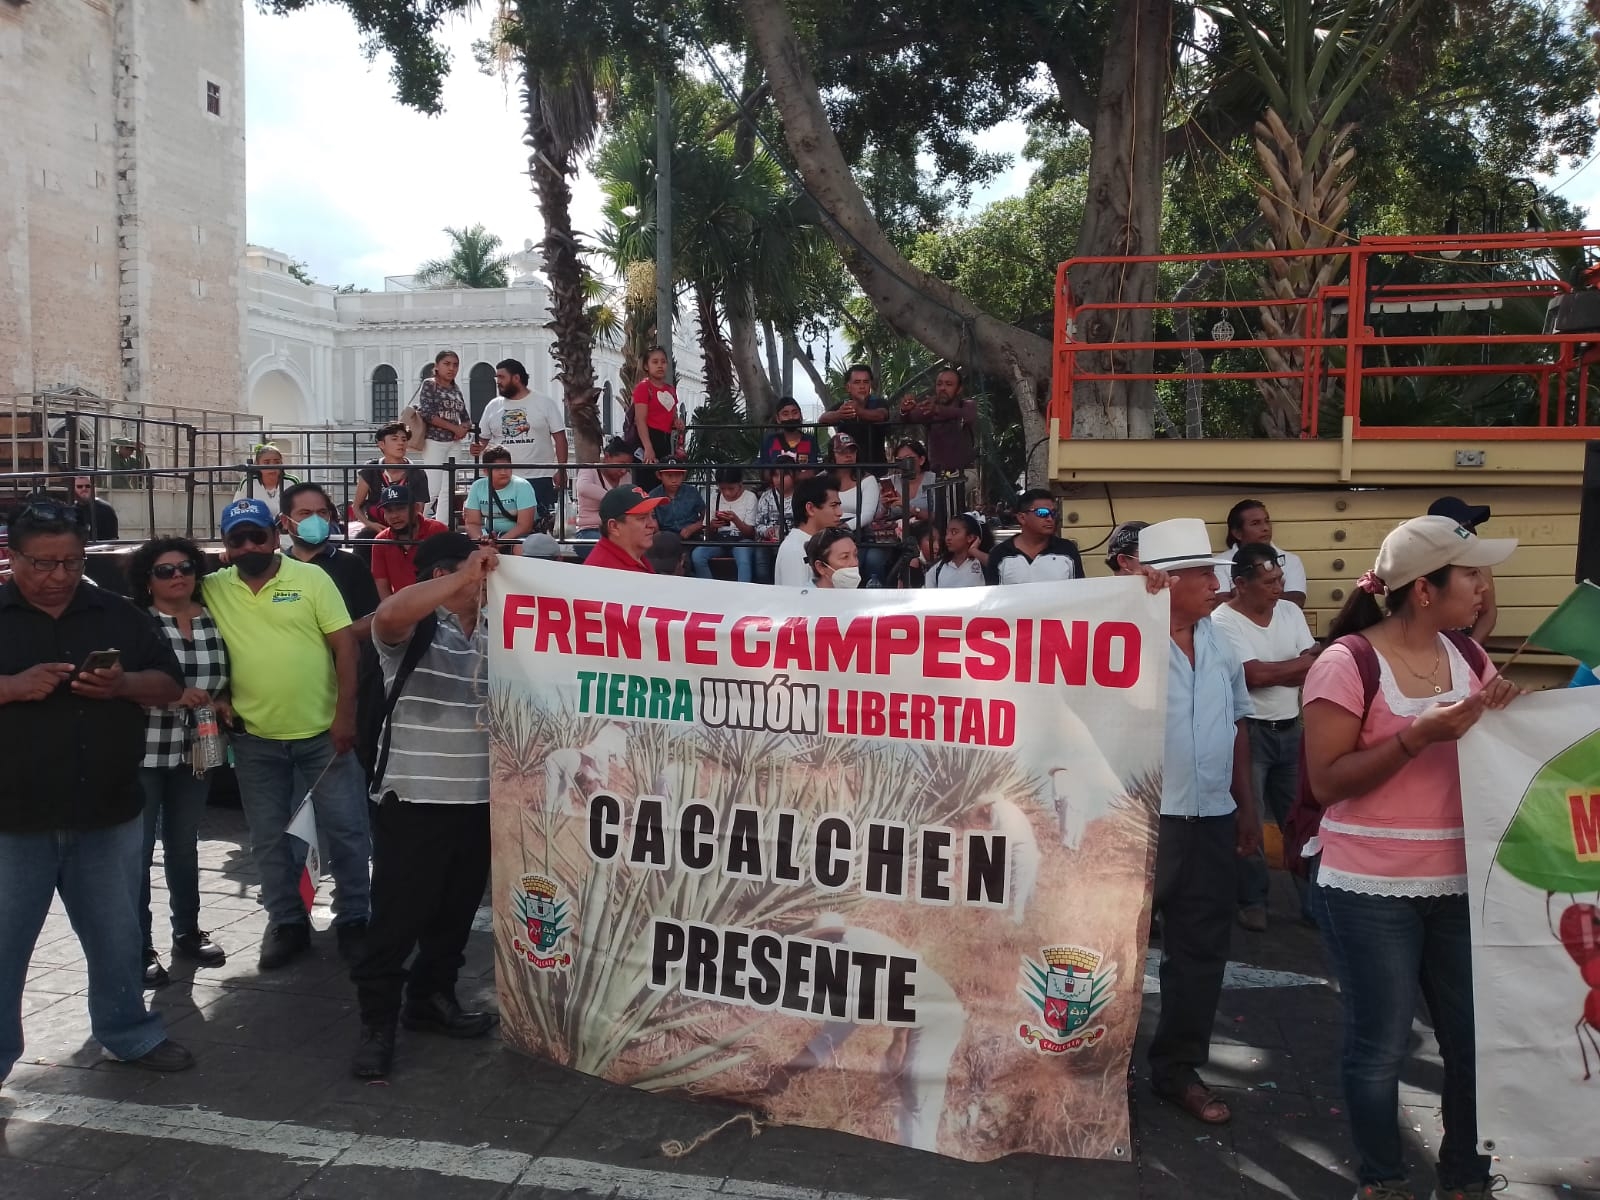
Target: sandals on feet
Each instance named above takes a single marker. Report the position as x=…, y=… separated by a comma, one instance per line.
x=1199, y=1101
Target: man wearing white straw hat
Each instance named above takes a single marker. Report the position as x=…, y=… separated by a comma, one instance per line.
x=1208, y=816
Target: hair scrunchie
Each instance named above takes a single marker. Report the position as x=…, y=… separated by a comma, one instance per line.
x=1371, y=584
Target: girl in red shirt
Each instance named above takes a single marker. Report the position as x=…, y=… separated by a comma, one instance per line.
x=656, y=416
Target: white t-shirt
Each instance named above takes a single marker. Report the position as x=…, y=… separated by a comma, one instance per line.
x=1286, y=638
x=948, y=575
x=865, y=494
x=527, y=428
x=1294, y=572
x=742, y=506
x=792, y=569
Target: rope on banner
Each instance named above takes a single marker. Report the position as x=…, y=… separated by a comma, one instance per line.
x=672, y=1148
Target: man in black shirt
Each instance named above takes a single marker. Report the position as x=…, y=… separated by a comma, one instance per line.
x=71, y=813
x=93, y=512
x=1034, y=554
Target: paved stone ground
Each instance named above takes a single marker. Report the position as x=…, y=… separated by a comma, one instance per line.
x=271, y=1111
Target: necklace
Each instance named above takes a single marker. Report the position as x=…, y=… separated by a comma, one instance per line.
x=1431, y=678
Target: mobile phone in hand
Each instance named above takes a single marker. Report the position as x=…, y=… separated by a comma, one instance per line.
x=100, y=660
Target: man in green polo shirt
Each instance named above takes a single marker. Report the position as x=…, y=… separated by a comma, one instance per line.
x=293, y=671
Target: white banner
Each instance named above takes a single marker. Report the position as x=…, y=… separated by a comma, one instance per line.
x=875, y=861
x=1530, y=780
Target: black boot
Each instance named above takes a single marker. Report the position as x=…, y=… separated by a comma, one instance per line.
x=440, y=1013
x=155, y=975
x=198, y=947
x=376, y=1055
x=282, y=944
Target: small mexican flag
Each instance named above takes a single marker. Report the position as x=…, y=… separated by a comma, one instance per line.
x=1574, y=628
x=303, y=825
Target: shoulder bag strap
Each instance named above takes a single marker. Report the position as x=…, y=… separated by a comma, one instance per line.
x=421, y=639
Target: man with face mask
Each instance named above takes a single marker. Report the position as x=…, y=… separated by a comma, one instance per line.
x=294, y=678
x=307, y=517
x=791, y=437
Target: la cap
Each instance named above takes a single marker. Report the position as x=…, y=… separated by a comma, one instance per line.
x=1422, y=545
x=248, y=511
x=625, y=501
x=394, y=494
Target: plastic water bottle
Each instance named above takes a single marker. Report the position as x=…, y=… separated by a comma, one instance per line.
x=208, y=749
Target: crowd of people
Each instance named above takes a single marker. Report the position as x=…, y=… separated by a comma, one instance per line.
x=356, y=676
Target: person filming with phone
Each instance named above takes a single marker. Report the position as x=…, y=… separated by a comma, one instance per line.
x=78, y=665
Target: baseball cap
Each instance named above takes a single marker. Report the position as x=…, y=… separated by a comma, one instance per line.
x=1422, y=545
x=1459, y=511
x=394, y=493
x=670, y=463
x=440, y=548
x=842, y=438
x=626, y=500
x=540, y=545
x=248, y=511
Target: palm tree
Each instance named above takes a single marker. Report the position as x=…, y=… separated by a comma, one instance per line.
x=1311, y=60
x=474, y=261
x=559, y=53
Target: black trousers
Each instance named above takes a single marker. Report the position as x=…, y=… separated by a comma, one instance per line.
x=1196, y=873
x=430, y=863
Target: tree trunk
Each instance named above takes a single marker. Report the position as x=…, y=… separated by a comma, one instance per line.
x=913, y=302
x=1035, y=427
x=715, y=358
x=573, y=348
x=1123, y=216
x=745, y=351
x=770, y=337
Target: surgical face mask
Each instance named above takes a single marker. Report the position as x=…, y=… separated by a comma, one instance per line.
x=253, y=564
x=848, y=578
x=313, y=530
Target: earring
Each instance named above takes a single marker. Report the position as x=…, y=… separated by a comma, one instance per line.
x=1425, y=603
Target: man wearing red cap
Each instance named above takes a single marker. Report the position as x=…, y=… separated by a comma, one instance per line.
x=627, y=527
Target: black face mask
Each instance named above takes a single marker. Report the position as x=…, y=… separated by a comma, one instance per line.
x=793, y=423
x=254, y=564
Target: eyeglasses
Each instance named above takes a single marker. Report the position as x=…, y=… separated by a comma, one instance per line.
x=1043, y=513
x=254, y=536
x=49, y=566
x=169, y=570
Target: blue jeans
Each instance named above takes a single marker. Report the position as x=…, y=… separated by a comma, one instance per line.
x=744, y=560
x=174, y=800
x=1385, y=949
x=581, y=553
x=273, y=778
x=1275, y=765
x=97, y=874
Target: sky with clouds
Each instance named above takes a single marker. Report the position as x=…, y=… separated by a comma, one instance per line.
x=357, y=187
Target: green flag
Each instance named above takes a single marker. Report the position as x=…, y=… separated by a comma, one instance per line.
x=1574, y=628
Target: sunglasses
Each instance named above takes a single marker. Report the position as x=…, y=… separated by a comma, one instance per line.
x=1266, y=564
x=50, y=510
x=1043, y=513
x=171, y=570
x=254, y=536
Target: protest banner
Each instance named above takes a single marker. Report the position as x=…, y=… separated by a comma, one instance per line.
x=1530, y=790
x=875, y=861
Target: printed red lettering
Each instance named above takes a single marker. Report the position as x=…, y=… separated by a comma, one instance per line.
x=845, y=651
x=518, y=614
x=922, y=718
x=898, y=634
x=940, y=647
x=793, y=650
x=988, y=657
x=555, y=625
x=1063, y=651
x=623, y=639
x=702, y=629
x=748, y=650
x=1585, y=826
x=1116, y=654
x=586, y=626
x=872, y=722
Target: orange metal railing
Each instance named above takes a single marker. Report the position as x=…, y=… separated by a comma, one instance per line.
x=1337, y=323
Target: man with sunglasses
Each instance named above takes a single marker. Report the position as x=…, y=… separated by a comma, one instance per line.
x=71, y=812
x=1275, y=645
x=294, y=675
x=1035, y=554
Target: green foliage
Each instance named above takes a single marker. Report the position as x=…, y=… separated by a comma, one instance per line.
x=298, y=270
x=474, y=261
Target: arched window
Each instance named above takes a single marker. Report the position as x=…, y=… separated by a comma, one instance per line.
x=385, y=396
x=480, y=389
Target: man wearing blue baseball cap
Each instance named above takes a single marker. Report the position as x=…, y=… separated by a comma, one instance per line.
x=293, y=671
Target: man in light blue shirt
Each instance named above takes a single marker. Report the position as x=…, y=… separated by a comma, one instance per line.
x=1208, y=816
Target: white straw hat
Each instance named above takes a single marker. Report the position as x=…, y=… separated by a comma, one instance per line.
x=1176, y=544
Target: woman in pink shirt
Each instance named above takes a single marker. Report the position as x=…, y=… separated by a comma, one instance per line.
x=591, y=485
x=1392, y=882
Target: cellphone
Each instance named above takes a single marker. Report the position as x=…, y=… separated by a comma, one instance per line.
x=101, y=660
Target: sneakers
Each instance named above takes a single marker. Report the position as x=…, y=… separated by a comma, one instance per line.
x=197, y=947
x=352, y=936
x=1393, y=1189
x=282, y=944
x=441, y=1014
x=1254, y=918
x=166, y=1058
x=1474, y=1191
x=155, y=975
x=376, y=1054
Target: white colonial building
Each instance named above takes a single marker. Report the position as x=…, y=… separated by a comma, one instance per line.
x=122, y=199
x=315, y=356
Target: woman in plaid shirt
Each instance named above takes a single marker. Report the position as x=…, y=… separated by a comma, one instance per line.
x=164, y=575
